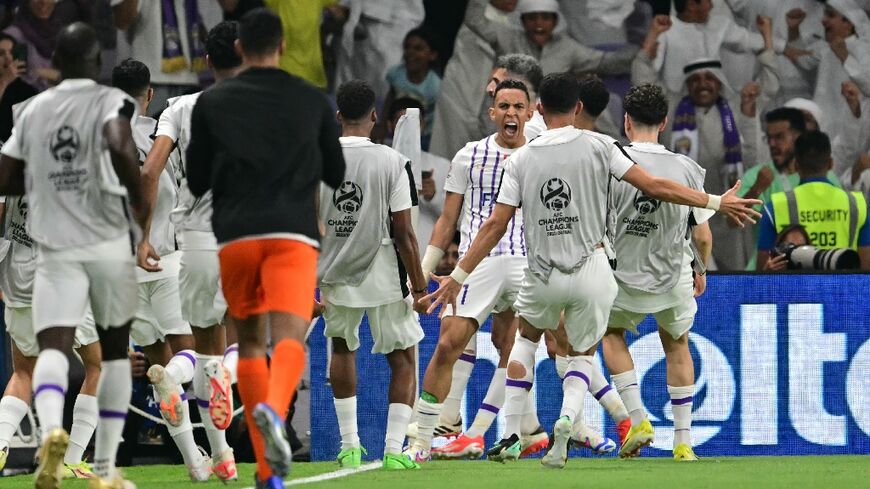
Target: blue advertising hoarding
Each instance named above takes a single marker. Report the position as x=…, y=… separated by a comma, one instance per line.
x=782, y=366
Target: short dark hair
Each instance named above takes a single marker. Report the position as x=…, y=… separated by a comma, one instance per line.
x=511, y=85
x=404, y=103
x=220, y=45
x=423, y=33
x=355, y=99
x=560, y=92
x=680, y=5
x=260, y=32
x=594, y=95
x=522, y=65
x=132, y=77
x=646, y=104
x=812, y=151
x=7, y=37
x=794, y=117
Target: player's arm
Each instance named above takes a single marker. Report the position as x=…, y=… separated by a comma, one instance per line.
x=737, y=209
x=406, y=244
x=155, y=163
x=703, y=239
x=122, y=151
x=200, y=152
x=489, y=235
x=11, y=175
x=442, y=234
x=333, y=157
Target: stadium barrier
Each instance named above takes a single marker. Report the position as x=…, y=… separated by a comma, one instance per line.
x=781, y=365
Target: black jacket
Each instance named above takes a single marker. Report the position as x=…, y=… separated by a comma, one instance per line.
x=262, y=142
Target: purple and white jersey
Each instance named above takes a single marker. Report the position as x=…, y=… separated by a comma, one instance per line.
x=476, y=172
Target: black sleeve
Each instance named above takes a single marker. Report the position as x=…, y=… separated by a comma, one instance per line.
x=200, y=152
x=330, y=149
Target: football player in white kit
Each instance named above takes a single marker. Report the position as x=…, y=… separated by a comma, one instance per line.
x=158, y=321
x=17, y=270
x=367, y=256
x=202, y=303
x=72, y=152
x=653, y=244
x=471, y=187
x=561, y=180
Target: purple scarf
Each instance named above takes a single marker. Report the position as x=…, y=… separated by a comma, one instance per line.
x=684, y=139
x=173, y=55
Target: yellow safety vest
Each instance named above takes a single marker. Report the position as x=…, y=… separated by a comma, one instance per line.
x=831, y=216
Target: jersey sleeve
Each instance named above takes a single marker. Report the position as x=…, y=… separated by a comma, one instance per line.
x=457, y=175
x=169, y=124
x=619, y=161
x=400, y=195
x=12, y=147
x=509, y=186
x=117, y=104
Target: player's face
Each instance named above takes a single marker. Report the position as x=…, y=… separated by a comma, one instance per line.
x=449, y=261
x=510, y=111
x=780, y=140
x=42, y=9
x=498, y=75
x=836, y=26
x=704, y=89
x=539, y=26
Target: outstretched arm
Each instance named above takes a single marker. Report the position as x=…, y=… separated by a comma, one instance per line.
x=735, y=208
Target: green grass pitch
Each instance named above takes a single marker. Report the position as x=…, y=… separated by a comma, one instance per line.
x=717, y=472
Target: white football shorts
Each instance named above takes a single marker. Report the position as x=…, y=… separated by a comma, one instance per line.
x=159, y=312
x=676, y=320
x=19, y=325
x=586, y=295
x=492, y=287
x=66, y=280
x=202, y=301
x=393, y=326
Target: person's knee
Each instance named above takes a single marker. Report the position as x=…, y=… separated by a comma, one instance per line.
x=516, y=370
x=402, y=360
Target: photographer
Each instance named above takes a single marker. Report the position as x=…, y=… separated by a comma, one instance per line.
x=833, y=218
x=790, y=237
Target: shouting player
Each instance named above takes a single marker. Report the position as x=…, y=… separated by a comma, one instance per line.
x=561, y=180
x=653, y=244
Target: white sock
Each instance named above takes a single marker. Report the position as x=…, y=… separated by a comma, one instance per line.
x=427, y=416
x=398, y=417
x=561, y=366
x=217, y=439
x=231, y=360
x=607, y=397
x=12, y=412
x=182, y=435
x=85, y=416
x=181, y=366
x=345, y=411
x=530, y=422
x=452, y=403
x=575, y=385
x=516, y=392
x=50, y=380
x=629, y=390
x=113, y=396
x=681, y=404
x=490, y=406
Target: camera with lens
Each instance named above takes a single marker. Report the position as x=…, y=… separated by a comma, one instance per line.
x=808, y=257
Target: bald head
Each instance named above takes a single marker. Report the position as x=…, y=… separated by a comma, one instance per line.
x=77, y=54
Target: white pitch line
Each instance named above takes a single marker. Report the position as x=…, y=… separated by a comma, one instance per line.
x=338, y=474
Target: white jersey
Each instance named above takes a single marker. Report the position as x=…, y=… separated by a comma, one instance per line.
x=561, y=181
x=651, y=237
x=192, y=213
x=18, y=266
x=74, y=194
x=357, y=218
x=475, y=172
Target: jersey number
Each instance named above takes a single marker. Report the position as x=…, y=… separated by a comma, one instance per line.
x=824, y=239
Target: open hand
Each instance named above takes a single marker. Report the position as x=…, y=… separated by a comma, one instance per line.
x=737, y=209
x=448, y=290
